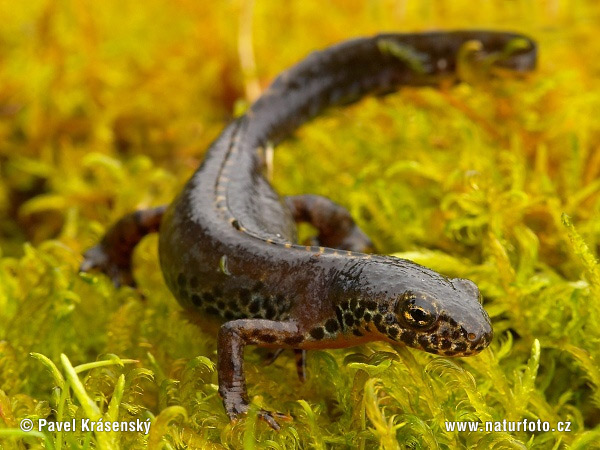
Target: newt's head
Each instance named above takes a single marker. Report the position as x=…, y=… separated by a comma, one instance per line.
x=448, y=320
x=409, y=304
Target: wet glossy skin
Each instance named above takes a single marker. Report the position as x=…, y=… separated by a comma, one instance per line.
x=228, y=242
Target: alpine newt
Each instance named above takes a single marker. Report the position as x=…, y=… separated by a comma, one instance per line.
x=228, y=244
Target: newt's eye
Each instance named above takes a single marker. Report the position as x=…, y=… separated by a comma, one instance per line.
x=416, y=311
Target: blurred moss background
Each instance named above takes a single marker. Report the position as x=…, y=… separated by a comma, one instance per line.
x=106, y=107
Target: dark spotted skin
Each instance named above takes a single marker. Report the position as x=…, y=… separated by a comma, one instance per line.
x=228, y=245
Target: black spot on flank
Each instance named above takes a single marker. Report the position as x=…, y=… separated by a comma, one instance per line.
x=268, y=338
x=258, y=286
x=390, y=318
x=460, y=347
x=367, y=317
x=293, y=84
x=449, y=353
x=377, y=318
x=349, y=319
x=221, y=304
x=424, y=341
x=346, y=304
x=370, y=304
x=356, y=332
x=270, y=313
x=434, y=340
x=193, y=282
x=381, y=327
x=254, y=307
x=293, y=340
x=353, y=303
x=212, y=310
x=245, y=297
x=229, y=315
x=445, y=343
x=408, y=337
x=196, y=300
x=455, y=335
x=332, y=326
x=183, y=293
x=208, y=297
x=340, y=317
x=317, y=333
x=393, y=332
x=181, y=281
x=255, y=333
x=358, y=312
x=235, y=224
x=280, y=299
x=282, y=304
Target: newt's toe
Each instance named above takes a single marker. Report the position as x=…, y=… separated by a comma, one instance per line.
x=94, y=258
x=272, y=417
x=98, y=258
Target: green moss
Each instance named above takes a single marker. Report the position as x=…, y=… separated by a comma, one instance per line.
x=105, y=109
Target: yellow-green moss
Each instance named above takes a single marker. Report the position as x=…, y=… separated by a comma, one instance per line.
x=107, y=107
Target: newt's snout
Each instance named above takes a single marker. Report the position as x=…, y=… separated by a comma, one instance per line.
x=449, y=338
x=469, y=338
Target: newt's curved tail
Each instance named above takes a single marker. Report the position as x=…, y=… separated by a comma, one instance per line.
x=348, y=71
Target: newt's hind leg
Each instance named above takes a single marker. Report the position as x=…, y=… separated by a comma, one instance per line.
x=300, y=363
x=336, y=227
x=112, y=255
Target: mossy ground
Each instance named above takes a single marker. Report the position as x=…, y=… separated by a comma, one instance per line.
x=108, y=106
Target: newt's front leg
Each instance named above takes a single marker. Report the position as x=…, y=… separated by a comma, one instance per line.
x=112, y=255
x=233, y=337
